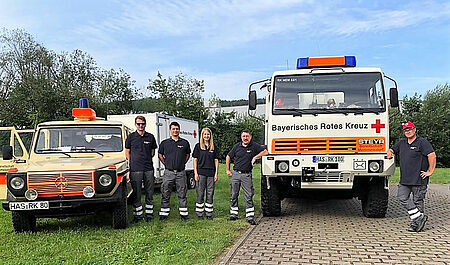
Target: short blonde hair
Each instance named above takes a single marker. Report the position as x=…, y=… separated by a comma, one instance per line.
x=202, y=141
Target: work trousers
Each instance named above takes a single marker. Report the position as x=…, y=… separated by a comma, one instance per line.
x=173, y=179
x=418, y=196
x=137, y=178
x=244, y=179
x=205, y=185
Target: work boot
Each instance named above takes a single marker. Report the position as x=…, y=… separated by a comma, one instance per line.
x=200, y=217
x=232, y=218
x=162, y=217
x=209, y=217
x=421, y=223
x=252, y=222
x=136, y=219
x=184, y=217
x=149, y=218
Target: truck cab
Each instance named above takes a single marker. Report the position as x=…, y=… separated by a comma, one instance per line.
x=327, y=133
x=74, y=168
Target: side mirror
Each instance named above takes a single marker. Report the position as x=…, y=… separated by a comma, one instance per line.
x=7, y=152
x=252, y=100
x=393, y=94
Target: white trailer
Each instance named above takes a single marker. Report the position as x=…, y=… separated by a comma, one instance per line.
x=158, y=125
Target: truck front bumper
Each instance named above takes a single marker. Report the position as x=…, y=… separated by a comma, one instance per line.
x=326, y=171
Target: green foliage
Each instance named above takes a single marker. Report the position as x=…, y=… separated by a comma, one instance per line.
x=431, y=116
x=180, y=96
x=36, y=84
x=226, y=129
x=238, y=102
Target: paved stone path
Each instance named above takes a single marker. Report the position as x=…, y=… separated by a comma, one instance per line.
x=336, y=232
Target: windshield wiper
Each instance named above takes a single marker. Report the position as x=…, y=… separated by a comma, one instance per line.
x=298, y=112
x=335, y=110
x=85, y=149
x=56, y=150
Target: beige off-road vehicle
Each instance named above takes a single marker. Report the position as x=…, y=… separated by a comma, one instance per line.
x=74, y=168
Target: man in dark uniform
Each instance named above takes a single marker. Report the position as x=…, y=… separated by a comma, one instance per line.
x=139, y=149
x=417, y=164
x=245, y=153
x=174, y=152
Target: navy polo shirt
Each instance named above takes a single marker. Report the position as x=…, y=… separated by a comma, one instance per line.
x=174, y=153
x=243, y=155
x=413, y=159
x=140, y=151
x=206, y=165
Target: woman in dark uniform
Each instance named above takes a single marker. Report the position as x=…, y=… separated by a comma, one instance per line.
x=206, y=166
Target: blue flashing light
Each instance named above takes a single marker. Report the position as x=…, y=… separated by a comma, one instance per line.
x=350, y=61
x=302, y=63
x=84, y=103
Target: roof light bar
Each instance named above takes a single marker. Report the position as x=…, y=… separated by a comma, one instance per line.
x=309, y=62
x=84, y=112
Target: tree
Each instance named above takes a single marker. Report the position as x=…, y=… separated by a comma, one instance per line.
x=431, y=116
x=38, y=85
x=180, y=96
x=434, y=122
x=227, y=128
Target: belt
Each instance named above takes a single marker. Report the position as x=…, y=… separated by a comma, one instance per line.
x=174, y=170
x=243, y=172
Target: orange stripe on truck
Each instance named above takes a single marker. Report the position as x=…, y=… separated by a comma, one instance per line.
x=329, y=145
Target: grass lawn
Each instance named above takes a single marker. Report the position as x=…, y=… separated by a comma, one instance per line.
x=440, y=175
x=83, y=240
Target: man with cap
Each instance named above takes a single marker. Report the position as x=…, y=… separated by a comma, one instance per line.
x=417, y=164
x=245, y=153
x=139, y=149
x=174, y=152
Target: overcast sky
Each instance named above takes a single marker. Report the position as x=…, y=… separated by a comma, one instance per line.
x=230, y=44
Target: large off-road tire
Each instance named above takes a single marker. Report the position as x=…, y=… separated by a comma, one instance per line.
x=23, y=221
x=120, y=212
x=190, y=179
x=270, y=198
x=375, y=202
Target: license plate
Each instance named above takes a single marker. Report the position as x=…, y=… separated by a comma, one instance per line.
x=27, y=206
x=328, y=159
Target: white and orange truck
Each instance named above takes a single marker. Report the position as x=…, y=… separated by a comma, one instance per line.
x=327, y=133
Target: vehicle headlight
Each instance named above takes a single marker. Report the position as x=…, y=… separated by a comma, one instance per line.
x=105, y=180
x=88, y=192
x=31, y=194
x=283, y=166
x=17, y=183
x=374, y=166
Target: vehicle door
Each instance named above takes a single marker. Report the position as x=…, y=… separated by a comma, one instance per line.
x=20, y=141
x=163, y=133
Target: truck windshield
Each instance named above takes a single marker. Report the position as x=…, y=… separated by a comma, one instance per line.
x=79, y=139
x=329, y=93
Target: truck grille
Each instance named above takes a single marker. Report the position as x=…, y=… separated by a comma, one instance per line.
x=327, y=145
x=60, y=183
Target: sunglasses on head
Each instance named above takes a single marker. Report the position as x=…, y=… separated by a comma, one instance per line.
x=140, y=124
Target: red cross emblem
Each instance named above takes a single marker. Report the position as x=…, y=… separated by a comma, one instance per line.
x=378, y=125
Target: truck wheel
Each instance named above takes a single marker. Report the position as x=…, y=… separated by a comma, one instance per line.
x=190, y=180
x=120, y=212
x=23, y=222
x=270, y=198
x=375, y=202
